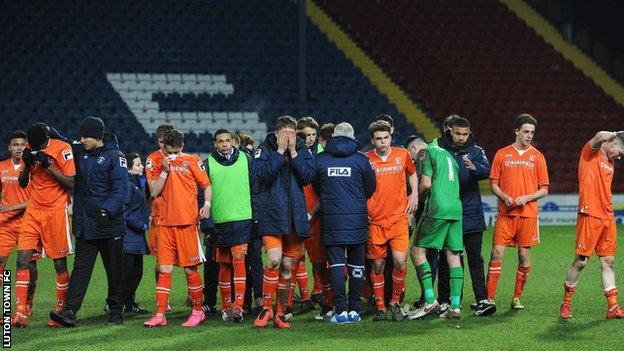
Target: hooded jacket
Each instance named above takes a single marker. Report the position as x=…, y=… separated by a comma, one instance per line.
x=344, y=181
x=101, y=183
x=279, y=204
x=136, y=216
x=473, y=220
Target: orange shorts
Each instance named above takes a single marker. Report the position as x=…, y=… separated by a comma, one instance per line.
x=516, y=231
x=9, y=235
x=152, y=238
x=315, y=249
x=224, y=254
x=395, y=235
x=179, y=246
x=47, y=231
x=290, y=245
x=595, y=234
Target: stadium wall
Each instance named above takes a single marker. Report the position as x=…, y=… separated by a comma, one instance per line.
x=554, y=209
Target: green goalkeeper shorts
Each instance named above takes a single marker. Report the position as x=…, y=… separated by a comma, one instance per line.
x=439, y=234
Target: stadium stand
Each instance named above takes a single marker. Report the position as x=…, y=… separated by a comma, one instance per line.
x=480, y=60
x=200, y=65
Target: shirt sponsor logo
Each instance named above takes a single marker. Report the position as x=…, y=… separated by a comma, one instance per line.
x=339, y=171
x=520, y=163
x=184, y=168
x=9, y=179
x=389, y=169
x=606, y=167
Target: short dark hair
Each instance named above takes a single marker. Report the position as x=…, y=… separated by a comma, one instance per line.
x=18, y=134
x=525, y=118
x=223, y=131
x=130, y=157
x=379, y=126
x=285, y=122
x=450, y=120
x=307, y=122
x=246, y=140
x=326, y=131
x=173, y=138
x=414, y=138
x=385, y=117
x=461, y=122
x=162, y=129
x=37, y=135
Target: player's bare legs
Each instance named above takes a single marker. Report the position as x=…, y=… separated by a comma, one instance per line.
x=269, y=286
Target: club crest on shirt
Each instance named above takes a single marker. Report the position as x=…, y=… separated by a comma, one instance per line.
x=100, y=160
x=149, y=164
x=123, y=163
x=532, y=158
x=397, y=160
x=257, y=153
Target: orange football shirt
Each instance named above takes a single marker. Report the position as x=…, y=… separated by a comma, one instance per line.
x=153, y=167
x=180, y=192
x=519, y=173
x=12, y=193
x=389, y=201
x=45, y=191
x=595, y=175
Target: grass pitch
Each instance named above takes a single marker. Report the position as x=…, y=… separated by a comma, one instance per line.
x=537, y=327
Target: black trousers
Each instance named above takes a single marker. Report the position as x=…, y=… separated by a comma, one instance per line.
x=472, y=244
x=355, y=261
x=133, y=273
x=255, y=270
x=211, y=276
x=112, y=257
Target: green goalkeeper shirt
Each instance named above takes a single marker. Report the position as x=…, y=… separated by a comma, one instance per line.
x=443, y=201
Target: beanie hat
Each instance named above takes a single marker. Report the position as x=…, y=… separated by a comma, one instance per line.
x=37, y=136
x=92, y=127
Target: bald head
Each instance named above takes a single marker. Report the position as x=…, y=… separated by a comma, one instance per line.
x=344, y=129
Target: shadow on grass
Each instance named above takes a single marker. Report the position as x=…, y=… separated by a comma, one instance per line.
x=567, y=330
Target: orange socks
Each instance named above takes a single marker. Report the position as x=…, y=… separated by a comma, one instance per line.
x=269, y=285
x=317, y=287
x=283, y=294
x=163, y=289
x=378, y=289
x=240, y=277
x=302, y=280
x=62, y=284
x=569, y=290
x=225, y=285
x=493, y=274
x=195, y=289
x=398, y=284
x=522, y=275
x=611, y=295
x=21, y=289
